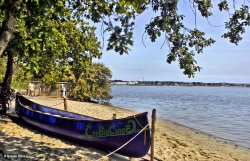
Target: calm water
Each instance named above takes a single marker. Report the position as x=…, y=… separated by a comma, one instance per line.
x=220, y=111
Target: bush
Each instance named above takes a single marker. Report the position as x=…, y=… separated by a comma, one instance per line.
x=92, y=85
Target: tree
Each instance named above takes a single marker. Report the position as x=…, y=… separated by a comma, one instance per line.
x=94, y=84
x=119, y=17
x=29, y=25
x=43, y=37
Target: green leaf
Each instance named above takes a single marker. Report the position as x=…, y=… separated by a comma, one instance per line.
x=32, y=45
x=60, y=3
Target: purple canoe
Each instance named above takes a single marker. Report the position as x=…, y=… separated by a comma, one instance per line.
x=108, y=135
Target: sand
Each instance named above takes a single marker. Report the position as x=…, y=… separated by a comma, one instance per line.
x=173, y=142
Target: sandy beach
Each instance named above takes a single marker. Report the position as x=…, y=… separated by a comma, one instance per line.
x=173, y=142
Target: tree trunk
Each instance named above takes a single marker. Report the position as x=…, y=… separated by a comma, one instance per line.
x=9, y=71
x=8, y=26
x=5, y=88
x=6, y=32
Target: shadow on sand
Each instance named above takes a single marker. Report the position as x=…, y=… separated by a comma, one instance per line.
x=15, y=148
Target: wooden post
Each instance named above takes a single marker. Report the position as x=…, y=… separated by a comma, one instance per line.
x=114, y=116
x=65, y=104
x=153, y=134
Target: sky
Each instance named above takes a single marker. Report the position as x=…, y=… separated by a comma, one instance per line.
x=221, y=62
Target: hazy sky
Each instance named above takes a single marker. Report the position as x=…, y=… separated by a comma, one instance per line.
x=221, y=62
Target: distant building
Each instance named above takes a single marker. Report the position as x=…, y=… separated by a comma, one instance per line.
x=132, y=83
x=120, y=83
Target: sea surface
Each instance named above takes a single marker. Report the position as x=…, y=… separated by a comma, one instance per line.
x=220, y=111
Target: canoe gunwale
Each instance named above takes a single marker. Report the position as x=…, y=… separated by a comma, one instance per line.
x=68, y=118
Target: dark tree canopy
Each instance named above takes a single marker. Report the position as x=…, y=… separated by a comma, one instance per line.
x=119, y=17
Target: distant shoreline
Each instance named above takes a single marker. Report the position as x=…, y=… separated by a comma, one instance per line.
x=173, y=83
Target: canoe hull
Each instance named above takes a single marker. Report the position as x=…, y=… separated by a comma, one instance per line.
x=103, y=134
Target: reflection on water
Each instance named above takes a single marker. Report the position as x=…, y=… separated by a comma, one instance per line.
x=220, y=111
